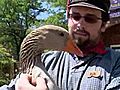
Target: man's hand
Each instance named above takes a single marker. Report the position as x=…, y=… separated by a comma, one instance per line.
x=25, y=83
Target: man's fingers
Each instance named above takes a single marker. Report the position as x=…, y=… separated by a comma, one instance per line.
x=23, y=83
x=41, y=83
x=24, y=77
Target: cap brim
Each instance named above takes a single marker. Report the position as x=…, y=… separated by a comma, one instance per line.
x=84, y=4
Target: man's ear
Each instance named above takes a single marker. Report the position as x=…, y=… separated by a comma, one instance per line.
x=103, y=26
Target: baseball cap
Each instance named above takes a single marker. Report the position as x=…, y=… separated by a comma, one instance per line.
x=102, y=5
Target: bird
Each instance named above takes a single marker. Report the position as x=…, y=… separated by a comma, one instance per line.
x=47, y=37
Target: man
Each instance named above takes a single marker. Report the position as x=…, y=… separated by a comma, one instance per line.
x=99, y=68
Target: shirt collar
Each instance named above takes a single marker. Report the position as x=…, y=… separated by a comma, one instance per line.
x=99, y=49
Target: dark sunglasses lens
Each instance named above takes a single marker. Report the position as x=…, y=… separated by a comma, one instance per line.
x=90, y=19
x=76, y=17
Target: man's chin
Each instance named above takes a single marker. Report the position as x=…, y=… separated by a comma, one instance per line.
x=82, y=43
x=79, y=42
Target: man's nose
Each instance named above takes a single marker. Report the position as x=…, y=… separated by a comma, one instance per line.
x=80, y=27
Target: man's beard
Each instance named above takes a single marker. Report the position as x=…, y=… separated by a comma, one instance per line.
x=85, y=44
x=82, y=44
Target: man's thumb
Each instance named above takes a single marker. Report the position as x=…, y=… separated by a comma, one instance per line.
x=41, y=83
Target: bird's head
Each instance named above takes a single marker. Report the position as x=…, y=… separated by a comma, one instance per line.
x=57, y=38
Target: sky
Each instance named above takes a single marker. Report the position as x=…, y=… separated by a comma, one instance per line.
x=44, y=15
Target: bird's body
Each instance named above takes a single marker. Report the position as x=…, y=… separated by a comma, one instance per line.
x=46, y=37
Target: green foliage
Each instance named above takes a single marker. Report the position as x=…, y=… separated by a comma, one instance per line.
x=6, y=62
x=56, y=3
x=56, y=19
x=5, y=56
x=16, y=17
x=58, y=13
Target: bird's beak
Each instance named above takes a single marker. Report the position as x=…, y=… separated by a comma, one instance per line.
x=71, y=47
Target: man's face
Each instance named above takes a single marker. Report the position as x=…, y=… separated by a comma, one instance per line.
x=85, y=25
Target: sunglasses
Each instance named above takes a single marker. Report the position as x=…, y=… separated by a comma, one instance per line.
x=90, y=18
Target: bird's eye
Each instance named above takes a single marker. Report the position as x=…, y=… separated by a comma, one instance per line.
x=61, y=34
